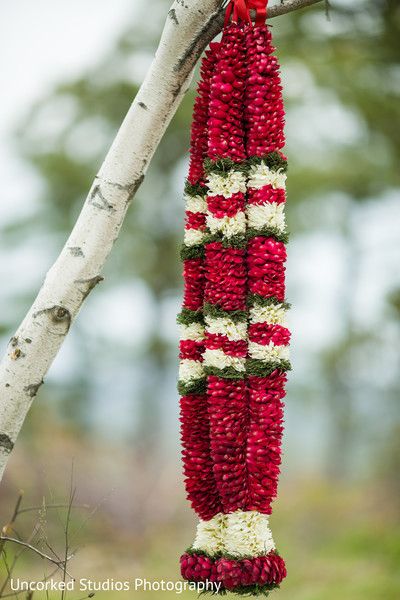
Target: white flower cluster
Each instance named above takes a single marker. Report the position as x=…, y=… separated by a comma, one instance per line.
x=261, y=175
x=234, y=331
x=192, y=237
x=228, y=226
x=220, y=360
x=211, y=535
x=274, y=314
x=248, y=534
x=270, y=214
x=241, y=533
x=196, y=204
x=190, y=370
x=226, y=185
x=193, y=331
x=269, y=352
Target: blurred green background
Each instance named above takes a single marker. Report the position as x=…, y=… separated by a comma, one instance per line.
x=110, y=405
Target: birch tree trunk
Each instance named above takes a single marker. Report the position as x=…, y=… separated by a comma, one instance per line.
x=189, y=27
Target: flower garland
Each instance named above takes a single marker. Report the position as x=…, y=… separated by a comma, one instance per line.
x=234, y=341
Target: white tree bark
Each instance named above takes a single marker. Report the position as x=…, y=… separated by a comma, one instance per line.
x=190, y=25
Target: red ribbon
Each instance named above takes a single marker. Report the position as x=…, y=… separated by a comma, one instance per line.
x=260, y=6
x=240, y=11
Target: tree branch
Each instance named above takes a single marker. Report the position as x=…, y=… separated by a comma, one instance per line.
x=286, y=7
x=189, y=27
x=59, y=563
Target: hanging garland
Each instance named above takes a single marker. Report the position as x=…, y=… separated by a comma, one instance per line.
x=234, y=342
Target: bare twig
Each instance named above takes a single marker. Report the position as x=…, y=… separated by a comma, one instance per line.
x=72, y=492
x=14, y=563
x=17, y=507
x=9, y=526
x=42, y=525
x=59, y=564
x=288, y=7
x=53, y=506
x=39, y=528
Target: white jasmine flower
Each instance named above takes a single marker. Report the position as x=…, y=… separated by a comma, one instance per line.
x=268, y=353
x=248, y=533
x=192, y=237
x=220, y=360
x=211, y=534
x=242, y=533
x=274, y=314
x=234, y=331
x=196, y=204
x=193, y=331
x=261, y=175
x=226, y=185
x=270, y=214
x=190, y=370
x=228, y=226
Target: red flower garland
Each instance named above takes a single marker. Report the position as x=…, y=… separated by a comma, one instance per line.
x=234, y=346
x=195, y=434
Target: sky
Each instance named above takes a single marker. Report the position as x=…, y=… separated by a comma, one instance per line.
x=42, y=43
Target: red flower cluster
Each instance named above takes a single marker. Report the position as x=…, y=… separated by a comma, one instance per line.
x=198, y=466
x=265, y=194
x=216, y=341
x=264, y=439
x=266, y=270
x=268, y=570
x=193, y=275
x=225, y=273
x=199, y=131
x=198, y=567
x=219, y=206
x=262, y=570
x=264, y=112
x=228, y=410
x=191, y=350
x=225, y=126
x=195, y=220
x=264, y=334
x=195, y=428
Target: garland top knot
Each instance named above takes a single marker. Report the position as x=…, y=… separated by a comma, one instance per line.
x=239, y=10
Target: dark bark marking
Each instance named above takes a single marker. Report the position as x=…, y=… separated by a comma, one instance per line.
x=128, y=187
x=89, y=284
x=173, y=17
x=98, y=200
x=76, y=251
x=6, y=442
x=143, y=105
x=176, y=90
x=16, y=352
x=32, y=389
x=136, y=185
x=58, y=314
x=208, y=32
x=28, y=340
